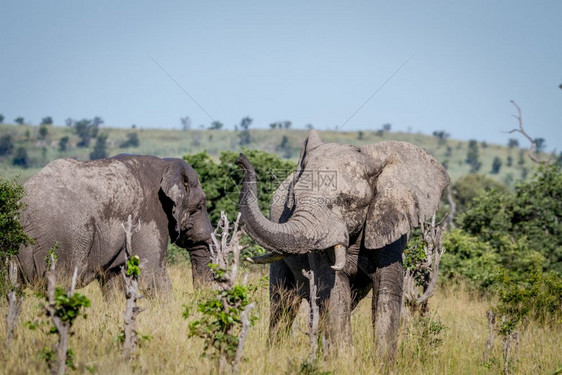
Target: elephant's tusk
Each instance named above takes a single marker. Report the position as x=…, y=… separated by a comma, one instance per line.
x=265, y=259
x=340, y=252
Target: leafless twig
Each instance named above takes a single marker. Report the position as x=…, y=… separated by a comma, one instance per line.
x=314, y=316
x=14, y=302
x=490, y=341
x=432, y=236
x=532, y=156
x=132, y=295
x=63, y=327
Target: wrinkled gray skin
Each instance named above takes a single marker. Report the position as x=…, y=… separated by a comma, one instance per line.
x=83, y=204
x=379, y=192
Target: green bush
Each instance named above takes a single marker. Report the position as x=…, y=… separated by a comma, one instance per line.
x=469, y=259
x=530, y=218
x=539, y=297
x=12, y=233
x=221, y=181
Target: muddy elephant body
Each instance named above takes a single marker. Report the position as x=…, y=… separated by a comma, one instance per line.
x=344, y=214
x=83, y=205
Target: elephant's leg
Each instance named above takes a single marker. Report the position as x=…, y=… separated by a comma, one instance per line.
x=339, y=312
x=387, y=298
x=111, y=283
x=151, y=247
x=284, y=301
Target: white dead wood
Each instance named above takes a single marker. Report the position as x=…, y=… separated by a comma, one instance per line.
x=432, y=236
x=535, y=157
x=490, y=341
x=132, y=295
x=225, y=252
x=15, y=300
x=58, y=366
x=314, y=316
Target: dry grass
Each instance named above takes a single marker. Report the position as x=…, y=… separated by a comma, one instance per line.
x=170, y=351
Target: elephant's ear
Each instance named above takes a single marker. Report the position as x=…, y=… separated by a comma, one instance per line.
x=175, y=184
x=408, y=183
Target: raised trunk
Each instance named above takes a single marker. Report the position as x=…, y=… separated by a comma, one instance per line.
x=291, y=237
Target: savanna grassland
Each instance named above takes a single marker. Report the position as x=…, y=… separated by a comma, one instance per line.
x=457, y=348
x=177, y=143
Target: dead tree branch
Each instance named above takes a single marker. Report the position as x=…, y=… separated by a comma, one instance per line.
x=432, y=237
x=132, y=295
x=314, y=316
x=225, y=254
x=63, y=327
x=15, y=300
x=490, y=341
x=535, y=158
x=452, y=208
x=245, y=318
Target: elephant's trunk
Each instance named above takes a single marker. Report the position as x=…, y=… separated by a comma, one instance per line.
x=299, y=235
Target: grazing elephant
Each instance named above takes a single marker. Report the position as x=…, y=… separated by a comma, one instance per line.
x=345, y=214
x=83, y=206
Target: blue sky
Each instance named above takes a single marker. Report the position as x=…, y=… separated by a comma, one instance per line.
x=312, y=62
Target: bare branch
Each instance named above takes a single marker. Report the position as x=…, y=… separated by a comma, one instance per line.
x=245, y=318
x=314, y=315
x=14, y=303
x=533, y=157
x=132, y=295
x=432, y=236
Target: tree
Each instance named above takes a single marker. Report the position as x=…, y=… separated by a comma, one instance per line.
x=87, y=130
x=472, y=157
x=287, y=124
x=468, y=187
x=512, y=143
x=360, y=135
x=132, y=141
x=245, y=133
x=185, y=123
x=20, y=158
x=540, y=145
x=43, y=131
x=12, y=234
x=47, y=121
x=216, y=125
x=496, y=165
x=1, y=118
x=100, y=148
x=19, y=120
x=442, y=136
x=520, y=224
x=6, y=145
x=273, y=125
x=63, y=143
x=285, y=147
x=69, y=122
x=386, y=127
x=309, y=127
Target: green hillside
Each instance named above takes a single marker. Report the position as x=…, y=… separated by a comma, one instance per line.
x=285, y=143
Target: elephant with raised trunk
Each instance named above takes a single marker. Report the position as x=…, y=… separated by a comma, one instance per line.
x=82, y=206
x=345, y=214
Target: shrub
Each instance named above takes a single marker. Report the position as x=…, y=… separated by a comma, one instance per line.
x=470, y=259
x=132, y=141
x=20, y=158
